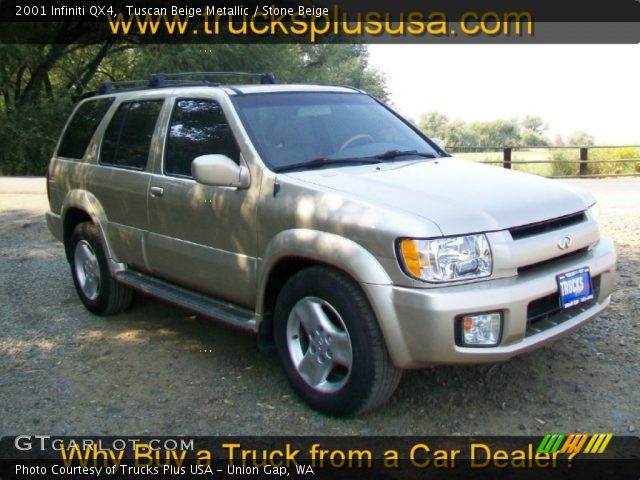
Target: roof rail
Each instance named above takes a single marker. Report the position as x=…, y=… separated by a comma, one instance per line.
x=160, y=80
x=108, y=87
x=350, y=87
x=111, y=86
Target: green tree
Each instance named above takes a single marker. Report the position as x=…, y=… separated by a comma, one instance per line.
x=39, y=84
x=493, y=133
x=434, y=124
x=459, y=133
x=499, y=133
x=529, y=138
x=339, y=64
x=580, y=138
x=534, y=124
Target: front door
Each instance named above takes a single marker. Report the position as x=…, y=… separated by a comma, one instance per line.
x=201, y=236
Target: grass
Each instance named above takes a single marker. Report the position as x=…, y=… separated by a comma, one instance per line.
x=557, y=162
x=536, y=155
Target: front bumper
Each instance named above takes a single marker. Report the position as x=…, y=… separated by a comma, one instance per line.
x=419, y=323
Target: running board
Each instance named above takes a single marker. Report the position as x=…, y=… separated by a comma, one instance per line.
x=192, y=301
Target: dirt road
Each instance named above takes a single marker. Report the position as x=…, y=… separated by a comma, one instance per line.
x=157, y=370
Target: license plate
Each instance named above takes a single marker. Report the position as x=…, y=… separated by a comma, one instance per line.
x=575, y=287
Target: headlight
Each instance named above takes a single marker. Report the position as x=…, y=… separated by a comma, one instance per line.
x=594, y=212
x=446, y=259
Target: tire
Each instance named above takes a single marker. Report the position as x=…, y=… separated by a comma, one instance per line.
x=330, y=346
x=97, y=289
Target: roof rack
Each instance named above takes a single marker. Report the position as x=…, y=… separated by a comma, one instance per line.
x=107, y=87
x=162, y=80
x=331, y=84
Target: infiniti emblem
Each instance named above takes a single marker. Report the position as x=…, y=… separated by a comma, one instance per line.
x=564, y=243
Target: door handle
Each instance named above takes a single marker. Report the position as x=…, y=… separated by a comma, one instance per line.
x=157, y=191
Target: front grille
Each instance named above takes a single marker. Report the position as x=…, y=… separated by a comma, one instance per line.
x=573, y=255
x=537, y=228
x=545, y=312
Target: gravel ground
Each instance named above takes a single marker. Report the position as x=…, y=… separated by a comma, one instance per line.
x=156, y=370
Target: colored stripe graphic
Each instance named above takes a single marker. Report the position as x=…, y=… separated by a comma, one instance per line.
x=598, y=443
x=550, y=443
x=574, y=443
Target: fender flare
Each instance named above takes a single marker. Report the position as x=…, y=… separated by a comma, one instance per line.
x=322, y=247
x=87, y=202
x=345, y=255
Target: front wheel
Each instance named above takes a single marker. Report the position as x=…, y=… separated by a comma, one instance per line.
x=330, y=345
x=97, y=289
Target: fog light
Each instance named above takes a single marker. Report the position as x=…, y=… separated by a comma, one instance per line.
x=481, y=329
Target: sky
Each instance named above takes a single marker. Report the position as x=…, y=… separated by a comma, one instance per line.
x=595, y=88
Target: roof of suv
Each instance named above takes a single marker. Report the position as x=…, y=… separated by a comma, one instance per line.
x=189, y=80
x=281, y=88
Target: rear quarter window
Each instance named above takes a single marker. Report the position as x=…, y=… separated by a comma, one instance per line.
x=82, y=126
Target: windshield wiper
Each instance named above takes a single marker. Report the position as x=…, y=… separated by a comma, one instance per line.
x=321, y=162
x=391, y=154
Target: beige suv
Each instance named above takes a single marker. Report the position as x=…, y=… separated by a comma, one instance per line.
x=319, y=219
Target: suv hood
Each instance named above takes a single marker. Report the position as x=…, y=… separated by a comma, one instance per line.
x=458, y=196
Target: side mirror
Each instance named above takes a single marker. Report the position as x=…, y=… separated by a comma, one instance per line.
x=220, y=171
x=439, y=142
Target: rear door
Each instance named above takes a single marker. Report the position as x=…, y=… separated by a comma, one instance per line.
x=121, y=180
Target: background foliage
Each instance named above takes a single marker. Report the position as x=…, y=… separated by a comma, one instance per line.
x=40, y=84
x=526, y=132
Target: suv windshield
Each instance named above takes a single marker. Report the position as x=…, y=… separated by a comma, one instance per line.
x=290, y=129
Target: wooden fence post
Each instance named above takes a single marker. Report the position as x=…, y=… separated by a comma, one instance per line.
x=506, y=157
x=584, y=157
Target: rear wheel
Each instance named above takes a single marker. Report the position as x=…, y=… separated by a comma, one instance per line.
x=97, y=289
x=330, y=345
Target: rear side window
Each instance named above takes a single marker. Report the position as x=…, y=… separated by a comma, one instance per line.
x=128, y=137
x=198, y=127
x=82, y=126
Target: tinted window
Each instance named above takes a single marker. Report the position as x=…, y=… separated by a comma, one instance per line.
x=198, y=127
x=289, y=128
x=82, y=126
x=128, y=137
